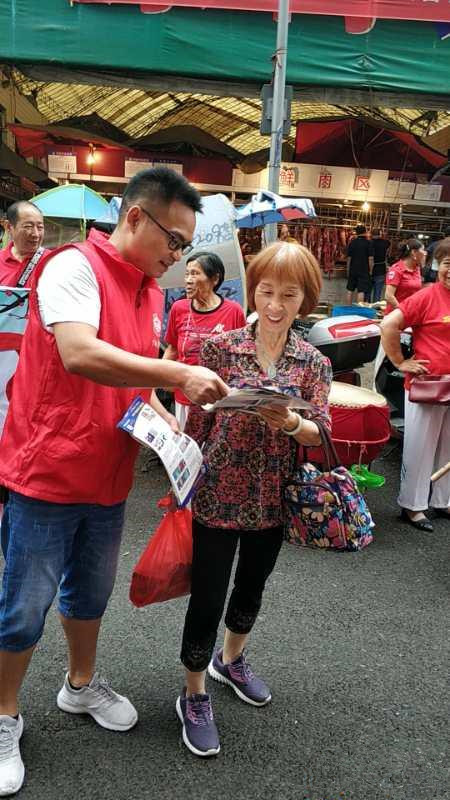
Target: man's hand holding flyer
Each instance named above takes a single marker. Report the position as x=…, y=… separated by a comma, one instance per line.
x=180, y=455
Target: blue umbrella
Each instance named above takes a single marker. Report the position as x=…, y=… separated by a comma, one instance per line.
x=111, y=214
x=73, y=201
x=267, y=207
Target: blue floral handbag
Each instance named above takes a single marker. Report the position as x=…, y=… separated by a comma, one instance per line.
x=325, y=508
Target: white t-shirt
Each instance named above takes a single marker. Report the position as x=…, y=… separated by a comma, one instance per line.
x=68, y=291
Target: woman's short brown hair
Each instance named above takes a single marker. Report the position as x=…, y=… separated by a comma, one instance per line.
x=286, y=262
x=442, y=250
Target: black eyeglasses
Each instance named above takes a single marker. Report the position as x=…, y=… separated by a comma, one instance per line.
x=173, y=242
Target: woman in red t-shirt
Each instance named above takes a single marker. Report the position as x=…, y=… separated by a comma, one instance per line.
x=426, y=445
x=404, y=278
x=201, y=315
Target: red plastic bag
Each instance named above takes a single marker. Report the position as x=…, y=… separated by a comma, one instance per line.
x=164, y=568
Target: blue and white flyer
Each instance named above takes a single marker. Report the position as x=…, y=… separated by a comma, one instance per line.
x=180, y=455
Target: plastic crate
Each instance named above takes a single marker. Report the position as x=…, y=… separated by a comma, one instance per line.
x=361, y=311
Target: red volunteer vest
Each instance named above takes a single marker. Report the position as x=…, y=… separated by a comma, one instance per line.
x=60, y=442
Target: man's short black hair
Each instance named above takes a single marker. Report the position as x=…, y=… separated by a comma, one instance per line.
x=360, y=229
x=13, y=211
x=160, y=186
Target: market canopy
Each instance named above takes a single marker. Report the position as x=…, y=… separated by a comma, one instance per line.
x=361, y=14
x=13, y=164
x=183, y=137
x=226, y=126
x=366, y=144
x=32, y=140
x=224, y=45
x=149, y=73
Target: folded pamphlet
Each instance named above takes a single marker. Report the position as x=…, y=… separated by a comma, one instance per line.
x=180, y=455
x=250, y=399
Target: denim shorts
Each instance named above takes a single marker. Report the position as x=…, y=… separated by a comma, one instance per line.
x=73, y=547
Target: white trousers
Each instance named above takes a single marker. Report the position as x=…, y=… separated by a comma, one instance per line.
x=426, y=448
x=181, y=414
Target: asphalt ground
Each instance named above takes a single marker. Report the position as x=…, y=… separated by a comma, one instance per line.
x=353, y=645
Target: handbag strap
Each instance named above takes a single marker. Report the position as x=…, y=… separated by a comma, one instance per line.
x=331, y=457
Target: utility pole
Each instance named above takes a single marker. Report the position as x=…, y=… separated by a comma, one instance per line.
x=279, y=84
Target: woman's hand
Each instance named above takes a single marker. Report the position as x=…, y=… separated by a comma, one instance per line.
x=416, y=366
x=157, y=406
x=286, y=420
x=173, y=422
x=278, y=418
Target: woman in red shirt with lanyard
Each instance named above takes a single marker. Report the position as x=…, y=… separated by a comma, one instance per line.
x=426, y=445
x=404, y=278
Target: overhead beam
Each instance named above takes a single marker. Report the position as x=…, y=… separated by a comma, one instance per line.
x=332, y=95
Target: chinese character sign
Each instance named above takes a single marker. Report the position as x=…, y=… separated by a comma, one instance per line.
x=288, y=177
x=362, y=183
x=325, y=180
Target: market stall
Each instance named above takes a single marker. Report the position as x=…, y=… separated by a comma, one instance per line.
x=359, y=171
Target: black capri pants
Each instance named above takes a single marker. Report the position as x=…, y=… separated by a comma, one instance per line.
x=213, y=554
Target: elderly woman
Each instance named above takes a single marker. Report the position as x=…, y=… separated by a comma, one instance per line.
x=427, y=427
x=404, y=278
x=249, y=459
x=204, y=313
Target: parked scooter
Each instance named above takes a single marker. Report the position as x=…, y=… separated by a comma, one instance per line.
x=349, y=341
x=359, y=417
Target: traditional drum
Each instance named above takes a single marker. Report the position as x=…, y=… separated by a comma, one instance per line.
x=359, y=424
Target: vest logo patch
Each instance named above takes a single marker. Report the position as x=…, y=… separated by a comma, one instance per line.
x=156, y=324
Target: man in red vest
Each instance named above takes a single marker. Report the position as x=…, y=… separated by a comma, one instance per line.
x=25, y=225
x=67, y=467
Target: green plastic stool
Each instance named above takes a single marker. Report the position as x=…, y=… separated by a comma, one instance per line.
x=365, y=479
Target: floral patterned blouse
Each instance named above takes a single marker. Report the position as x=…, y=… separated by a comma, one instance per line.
x=248, y=464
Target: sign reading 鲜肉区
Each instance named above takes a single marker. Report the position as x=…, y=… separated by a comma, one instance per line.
x=424, y=10
x=339, y=183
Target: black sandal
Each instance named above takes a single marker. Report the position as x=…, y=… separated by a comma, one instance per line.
x=421, y=524
x=442, y=512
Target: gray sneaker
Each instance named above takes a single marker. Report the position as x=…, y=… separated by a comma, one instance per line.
x=199, y=729
x=12, y=770
x=109, y=709
x=241, y=678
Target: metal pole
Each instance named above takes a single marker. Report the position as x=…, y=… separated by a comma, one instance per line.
x=279, y=83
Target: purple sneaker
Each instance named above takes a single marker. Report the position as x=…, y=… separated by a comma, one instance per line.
x=240, y=677
x=199, y=729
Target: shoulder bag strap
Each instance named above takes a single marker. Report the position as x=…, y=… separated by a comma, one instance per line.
x=30, y=267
